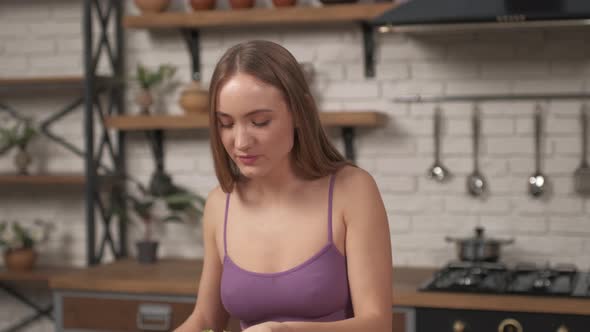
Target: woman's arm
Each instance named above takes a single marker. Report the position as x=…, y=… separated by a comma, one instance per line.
x=368, y=252
x=209, y=312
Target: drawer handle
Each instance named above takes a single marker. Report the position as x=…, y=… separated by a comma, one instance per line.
x=510, y=325
x=154, y=317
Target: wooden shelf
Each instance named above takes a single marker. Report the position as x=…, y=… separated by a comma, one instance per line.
x=38, y=274
x=258, y=16
x=42, y=179
x=153, y=122
x=48, y=179
x=47, y=82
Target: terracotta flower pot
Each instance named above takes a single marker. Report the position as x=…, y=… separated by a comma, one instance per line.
x=144, y=100
x=241, y=4
x=202, y=4
x=284, y=3
x=22, y=160
x=152, y=6
x=20, y=259
x=194, y=99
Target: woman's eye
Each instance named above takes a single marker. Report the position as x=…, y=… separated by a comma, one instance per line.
x=225, y=125
x=260, y=123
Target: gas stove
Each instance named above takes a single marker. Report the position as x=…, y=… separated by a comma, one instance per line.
x=521, y=279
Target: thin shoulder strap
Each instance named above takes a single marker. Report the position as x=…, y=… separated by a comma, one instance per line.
x=225, y=225
x=330, y=195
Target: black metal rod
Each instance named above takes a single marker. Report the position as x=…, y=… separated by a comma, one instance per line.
x=369, y=49
x=21, y=297
x=118, y=95
x=348, y=136
x=90, y=168
x=191, y=36
x=46, y=124
x=18, y=326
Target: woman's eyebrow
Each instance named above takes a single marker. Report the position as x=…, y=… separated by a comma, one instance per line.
x=263, y=110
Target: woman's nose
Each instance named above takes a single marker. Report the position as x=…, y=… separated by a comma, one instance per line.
x=242, y=138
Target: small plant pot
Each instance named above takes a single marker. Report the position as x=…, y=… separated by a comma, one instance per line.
x=147, y=252
x=20, y=259
x=144, y=100
x=152, y=6
x=284, y=3
x=194, y=99
x=241, y=4
x=199, y=5
x=22, y=160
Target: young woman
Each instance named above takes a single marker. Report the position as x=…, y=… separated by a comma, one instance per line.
x=296, y=237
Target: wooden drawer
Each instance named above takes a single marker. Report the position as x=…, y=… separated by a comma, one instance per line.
x=125, y=314
x=402, y=319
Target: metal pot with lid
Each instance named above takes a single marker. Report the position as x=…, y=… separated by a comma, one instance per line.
x=479, y=248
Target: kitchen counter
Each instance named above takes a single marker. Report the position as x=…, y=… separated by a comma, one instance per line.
x=181, y=277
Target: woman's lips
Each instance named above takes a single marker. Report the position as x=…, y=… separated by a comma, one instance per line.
x=248, y=160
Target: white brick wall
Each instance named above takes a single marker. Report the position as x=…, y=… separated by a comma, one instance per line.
x=44, y=38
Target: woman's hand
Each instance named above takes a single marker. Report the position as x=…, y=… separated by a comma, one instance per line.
x=267, y=327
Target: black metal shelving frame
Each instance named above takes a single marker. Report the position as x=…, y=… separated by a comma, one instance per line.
x=102, y=100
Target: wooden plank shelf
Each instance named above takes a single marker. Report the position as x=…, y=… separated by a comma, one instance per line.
x=201, y=121
x=43, y=179
x=47, y=82
x=258, y=16
x=37, y=274
x=48, y=179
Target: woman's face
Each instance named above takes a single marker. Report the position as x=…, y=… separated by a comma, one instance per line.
x=255, y=125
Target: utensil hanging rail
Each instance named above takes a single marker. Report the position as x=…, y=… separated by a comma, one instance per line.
x=488, y=97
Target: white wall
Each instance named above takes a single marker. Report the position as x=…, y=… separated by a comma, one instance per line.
x=38, y=37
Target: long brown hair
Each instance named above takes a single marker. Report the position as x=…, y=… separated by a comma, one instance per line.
x=314, y=156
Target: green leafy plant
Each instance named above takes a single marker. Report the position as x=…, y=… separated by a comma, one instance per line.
x=19, y=134
x=179, y=203
x=148, y=78
x=14, y=236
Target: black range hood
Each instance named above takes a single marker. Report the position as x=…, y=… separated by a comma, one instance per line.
x=464, y=13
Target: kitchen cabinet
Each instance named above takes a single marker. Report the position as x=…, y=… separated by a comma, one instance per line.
x=115, y=311
x=126, y=294
x=402, y=320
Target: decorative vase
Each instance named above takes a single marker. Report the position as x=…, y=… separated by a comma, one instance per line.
x=144, y=99
x=202, y=4
x=194, y=99
x=22, y=160
x=284, y=3
x=152, y=6
x=241, y=4
x=147, y=252
x=20, y=259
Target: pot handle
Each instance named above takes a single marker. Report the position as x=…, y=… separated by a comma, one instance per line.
x=451, y=239
x=507, y=241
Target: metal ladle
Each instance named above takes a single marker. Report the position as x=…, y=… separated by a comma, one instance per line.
x=476, y=183
x=537, y=181
x=438, y=172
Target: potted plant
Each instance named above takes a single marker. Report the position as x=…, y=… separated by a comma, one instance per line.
x=19, y=243
x=18, y=135
x=148, y=78
x=152, y=6
x=178, y=205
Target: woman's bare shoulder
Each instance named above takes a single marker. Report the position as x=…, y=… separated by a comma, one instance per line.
x=215, y=204
x=358, y=192
x=349, y=178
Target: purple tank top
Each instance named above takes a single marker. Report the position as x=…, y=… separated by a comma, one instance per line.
x=316, y=290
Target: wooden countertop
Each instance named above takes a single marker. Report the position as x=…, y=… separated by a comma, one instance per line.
x=181, y=277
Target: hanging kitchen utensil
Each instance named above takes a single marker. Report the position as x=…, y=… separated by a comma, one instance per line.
x=438, y=172
x=537, y=181
x=476, y=183
x=478, y=248
x=582, y=174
